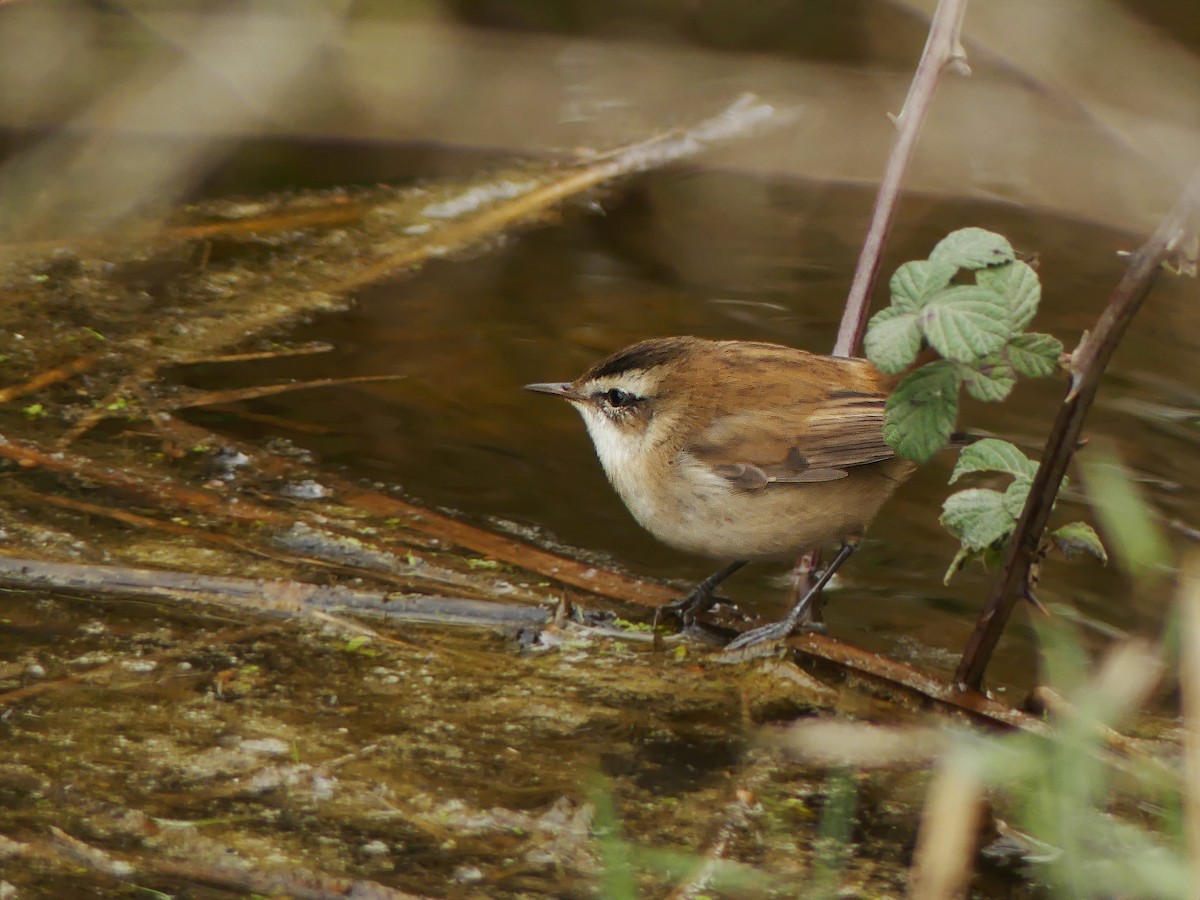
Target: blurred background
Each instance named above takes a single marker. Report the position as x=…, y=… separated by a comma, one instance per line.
x=1072, y=136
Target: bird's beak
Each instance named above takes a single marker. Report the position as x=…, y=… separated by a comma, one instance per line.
x=563, y=389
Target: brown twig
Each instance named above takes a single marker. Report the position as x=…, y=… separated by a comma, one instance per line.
x=886, y=675
x=279, y=424
x=1087, y=365
x=223, y=358
x=130, y=384
x=943, y=50
x=50, y=376
x=892, y=677
x=339, y=212
x=191, y=399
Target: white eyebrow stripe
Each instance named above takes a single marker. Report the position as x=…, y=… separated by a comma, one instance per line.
x=640, y=384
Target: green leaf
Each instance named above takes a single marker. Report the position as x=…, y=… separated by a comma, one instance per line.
x=922, y=410
x=966, y=323
x=1034, y=355
x=977, y=517
x=1018, y=283
x=356, y=643
x=1016, y=495
x=916, y=281
x=1078, y=538
x=993, y=455
x=893, y=339
x=972, y=248
x=991, y=380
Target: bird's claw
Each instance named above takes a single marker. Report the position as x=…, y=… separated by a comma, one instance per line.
x=687, y=608
x=776, y=631
x=765, y=634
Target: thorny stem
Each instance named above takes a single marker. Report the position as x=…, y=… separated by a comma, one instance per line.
x=943, y=50
x=1087, y=365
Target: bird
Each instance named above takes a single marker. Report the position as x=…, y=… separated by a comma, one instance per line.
x=741, y=451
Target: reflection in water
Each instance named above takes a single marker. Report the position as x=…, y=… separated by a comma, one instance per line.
x=717, y=256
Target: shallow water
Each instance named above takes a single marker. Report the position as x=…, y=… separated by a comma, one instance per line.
x=453, y=762
x=721, y=255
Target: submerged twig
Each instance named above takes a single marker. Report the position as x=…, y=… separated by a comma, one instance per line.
x=190, y=399
x=49, y=377
x=130, y=384
x=942, y=50
x=1088, y=363
x=264, y=596
x=309, y=349
x=338, y=212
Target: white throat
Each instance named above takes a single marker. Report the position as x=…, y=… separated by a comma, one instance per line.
x=619, y=449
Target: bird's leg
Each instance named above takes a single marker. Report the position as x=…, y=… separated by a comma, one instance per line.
x=701, y=599
x=801, y=615
x=806, y=573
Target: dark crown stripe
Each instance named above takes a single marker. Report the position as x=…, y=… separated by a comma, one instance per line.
x=644, y=355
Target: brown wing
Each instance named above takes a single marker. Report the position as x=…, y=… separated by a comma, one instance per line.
x=810, y=429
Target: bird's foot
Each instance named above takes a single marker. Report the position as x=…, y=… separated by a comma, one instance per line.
x=702, y=599
x=687, y=608
x=804, y=616
x=772, y=633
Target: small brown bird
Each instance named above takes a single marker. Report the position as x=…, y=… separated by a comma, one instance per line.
x=741, y=451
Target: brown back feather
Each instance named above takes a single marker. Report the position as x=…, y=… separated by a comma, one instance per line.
x=807, y=418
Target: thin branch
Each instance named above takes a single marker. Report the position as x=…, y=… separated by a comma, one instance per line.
x=943, y=50
x=50, y=376
x=222, y=358
x=191, y=399
x=128, y=385
x=1087, y=365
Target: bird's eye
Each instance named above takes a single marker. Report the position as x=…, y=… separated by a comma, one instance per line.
x=617, y=398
